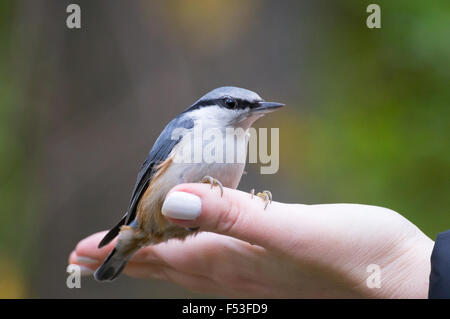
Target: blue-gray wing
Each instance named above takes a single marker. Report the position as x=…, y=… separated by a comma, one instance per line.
x=158, y=154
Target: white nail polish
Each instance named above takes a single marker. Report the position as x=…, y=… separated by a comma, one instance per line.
x=86, y=260
x=181, y=205
x=86, y=271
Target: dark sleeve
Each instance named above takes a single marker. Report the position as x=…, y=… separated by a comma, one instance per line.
x=440, y=268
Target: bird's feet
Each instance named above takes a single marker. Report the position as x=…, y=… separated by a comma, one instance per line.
x=266, y=196
x=213, y=182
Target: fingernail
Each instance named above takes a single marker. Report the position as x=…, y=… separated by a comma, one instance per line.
x=86, y=260
x=181, y=205
x=86, y=271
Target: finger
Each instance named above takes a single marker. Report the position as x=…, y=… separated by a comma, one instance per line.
x=150, y=270
x=87, y=249
x=174, y=253
x=87, y=252
x=146, y=270
x=87, y=266
x=180, y=254
x=200, y=254
x=234, y=214
x=81, y=260
x=145, y=264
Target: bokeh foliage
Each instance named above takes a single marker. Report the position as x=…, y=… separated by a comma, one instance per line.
x=12, y=170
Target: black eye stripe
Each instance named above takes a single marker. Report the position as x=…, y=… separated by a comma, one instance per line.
x=241, y=104
x=244, y=103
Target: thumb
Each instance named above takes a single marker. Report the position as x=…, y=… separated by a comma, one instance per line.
x=234, y=214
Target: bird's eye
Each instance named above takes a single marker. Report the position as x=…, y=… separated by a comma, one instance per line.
x=230, y=103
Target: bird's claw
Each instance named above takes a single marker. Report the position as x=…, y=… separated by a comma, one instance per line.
x=266, y=196
x=213, y=182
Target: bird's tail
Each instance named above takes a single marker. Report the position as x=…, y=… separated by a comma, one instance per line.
x=113, y=265
x=127, y=244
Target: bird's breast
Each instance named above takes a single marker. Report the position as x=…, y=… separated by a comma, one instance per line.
x=171, y=173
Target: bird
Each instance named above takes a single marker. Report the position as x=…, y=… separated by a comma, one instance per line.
x=143, y=223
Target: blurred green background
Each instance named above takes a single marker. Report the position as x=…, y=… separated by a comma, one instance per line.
x=367, y=118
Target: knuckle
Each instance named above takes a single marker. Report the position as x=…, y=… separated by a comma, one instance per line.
x=229, y=218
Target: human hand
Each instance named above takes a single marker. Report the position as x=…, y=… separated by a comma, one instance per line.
x=285, y=251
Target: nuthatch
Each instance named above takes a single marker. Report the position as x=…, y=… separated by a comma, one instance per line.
x=143, y=223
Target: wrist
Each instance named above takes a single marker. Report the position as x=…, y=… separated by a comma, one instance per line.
x=407, y=270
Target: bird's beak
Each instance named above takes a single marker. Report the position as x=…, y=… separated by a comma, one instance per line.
x=266, y=107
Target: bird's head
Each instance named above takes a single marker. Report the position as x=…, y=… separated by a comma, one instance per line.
x=230, y=106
